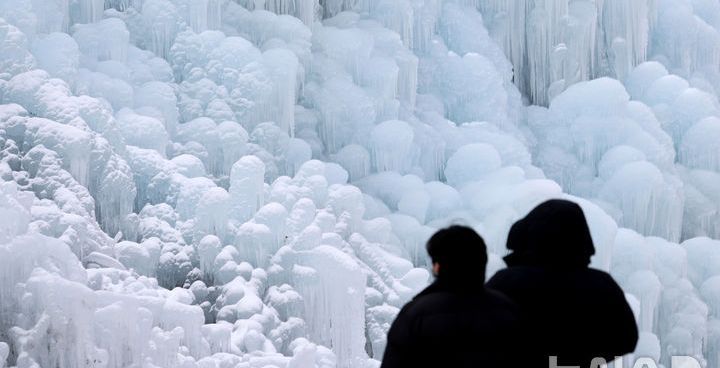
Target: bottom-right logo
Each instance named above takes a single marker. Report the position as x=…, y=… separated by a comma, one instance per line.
x=675, y=362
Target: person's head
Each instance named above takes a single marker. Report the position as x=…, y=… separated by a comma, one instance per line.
x=458, y=253
x=553, y=234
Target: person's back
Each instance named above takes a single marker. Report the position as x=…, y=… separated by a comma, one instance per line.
x=571, y=311
x=455, y=322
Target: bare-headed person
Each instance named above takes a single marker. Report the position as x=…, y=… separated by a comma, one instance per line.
x=455, y=322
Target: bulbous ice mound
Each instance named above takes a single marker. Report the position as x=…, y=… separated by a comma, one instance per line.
x=391, y=143
x=470, y=163
x=698, y=149
x=252, y=183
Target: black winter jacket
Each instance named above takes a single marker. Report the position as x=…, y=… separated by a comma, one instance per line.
x=455, y=325
x=569, y=310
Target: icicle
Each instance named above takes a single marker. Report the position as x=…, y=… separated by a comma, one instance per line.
x=380, y=77
x=211, y=214
x=274, y=216
x=163, y=17
x=646, y=286
x=629, y=21
x=79, y=168
x=391, y=143
x=123, y=5
x=332, y=7
x=189, y=319
x=305, y=10
x=207, y=250
x=697, y=147
x=709, y=53
x=161, y=34
x=510, y=29
x=426, y=14
x=246, y=187
x=91, y=11
x=202, y=15
x=538, y=46
x=281, y=6
x=407, y=78
x=284, y=67
x=106, y=39
x=197, y=14
x=255, y=243
x=355, y=159
x=398, y=16
x=214, y=14
x=333, y=290
x=621, y=63
x=530, y=32
x=581, y=63
x=115, y=196
x=344, y=109
x=652, y=205
x=123, y=338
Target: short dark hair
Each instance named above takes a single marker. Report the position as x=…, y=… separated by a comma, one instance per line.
x=457, y=247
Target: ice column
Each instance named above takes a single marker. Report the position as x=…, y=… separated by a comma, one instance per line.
x=91, y=11
x=555, y=43
x=197, y=14
x=648, y=203
x=301, y=9
x=52, y=15
x=392, y=143
x=646, y=286
x=380, y=75
x=543, y=37
x=407, y=77
x=122, y=329
x=626, y=26
x=426, y=14
x=247, y=179
x=333, y=290
x=355, y=159
x=122, y=5
x=62, y=313
x=214, y=14
x=281, y=6
x=163, y=18
x=255, y=243
x=396, y=15
x=211, y=214
x=305, y=11
x=283, y=65
x=580, y=62
x=333, y=7
x=115, y=195
x=208, y=248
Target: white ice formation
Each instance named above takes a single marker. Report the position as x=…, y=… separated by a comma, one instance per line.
x=250, y=183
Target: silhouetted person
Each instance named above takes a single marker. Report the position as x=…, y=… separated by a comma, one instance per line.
x=455, y=322
x=570, y=311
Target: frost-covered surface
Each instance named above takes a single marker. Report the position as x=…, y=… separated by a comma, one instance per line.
x=218, y=183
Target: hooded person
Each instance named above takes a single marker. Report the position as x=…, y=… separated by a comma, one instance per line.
x=571, y=312
x=455, y=322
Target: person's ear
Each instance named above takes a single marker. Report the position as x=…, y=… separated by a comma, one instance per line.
x=436, y=269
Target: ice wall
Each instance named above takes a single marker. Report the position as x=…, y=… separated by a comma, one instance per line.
x=555, y=43
x=251, y=183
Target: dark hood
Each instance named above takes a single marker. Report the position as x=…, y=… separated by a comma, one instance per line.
x=554, y=234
